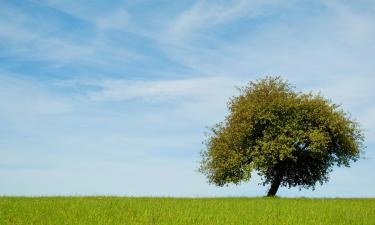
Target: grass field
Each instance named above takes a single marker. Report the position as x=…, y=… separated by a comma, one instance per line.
x=184, y=211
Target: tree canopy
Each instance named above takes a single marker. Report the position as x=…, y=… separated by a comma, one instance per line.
x=289, y=138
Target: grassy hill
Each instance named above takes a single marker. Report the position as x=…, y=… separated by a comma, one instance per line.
x=184, y=211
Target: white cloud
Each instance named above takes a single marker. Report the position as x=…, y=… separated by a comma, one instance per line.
x=354, y=25
x=206, y=15
x=32, y=38
x=355, y=92
x=162, y=90
x=356, y=96
x=22, y=97
x=334, y=43
x=14, y=33
x=118, y=20
x=28, y=42
x=367, y=120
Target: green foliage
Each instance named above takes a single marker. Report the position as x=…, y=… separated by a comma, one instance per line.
x=189, y=211
x=293, y=137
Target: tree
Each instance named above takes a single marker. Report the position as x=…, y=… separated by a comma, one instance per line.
x=289, y=138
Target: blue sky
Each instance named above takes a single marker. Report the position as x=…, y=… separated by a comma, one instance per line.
x=113, y=97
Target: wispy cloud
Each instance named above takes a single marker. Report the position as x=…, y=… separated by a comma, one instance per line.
x=118, y=20
x=48, y=40
x=355, y=95
x=204, y=15
x=21, y=97
x=163, y=90
x=354, y=24
x=333, y=42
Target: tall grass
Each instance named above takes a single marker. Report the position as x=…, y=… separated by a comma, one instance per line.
x=184, y=211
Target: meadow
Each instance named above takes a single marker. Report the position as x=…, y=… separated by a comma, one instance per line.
x=184, y=211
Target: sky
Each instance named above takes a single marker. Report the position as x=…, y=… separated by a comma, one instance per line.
x=114, y=97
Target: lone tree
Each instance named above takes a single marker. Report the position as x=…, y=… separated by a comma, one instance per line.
x=289, y=138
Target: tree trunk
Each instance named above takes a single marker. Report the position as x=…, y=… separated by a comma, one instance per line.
x=274, y=186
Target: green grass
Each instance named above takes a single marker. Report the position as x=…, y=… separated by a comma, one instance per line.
x=184, y=211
